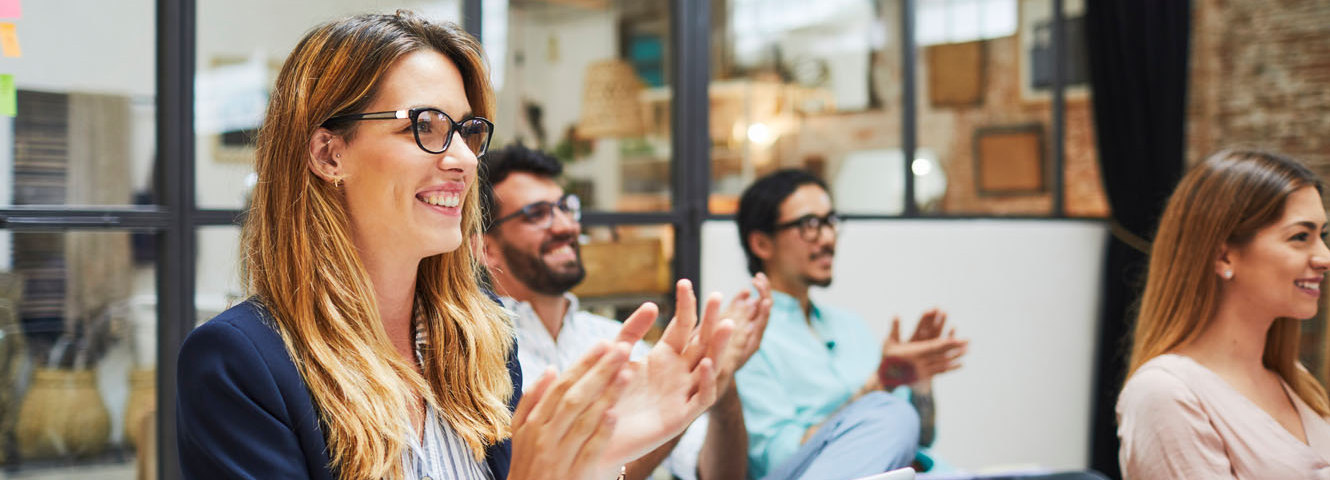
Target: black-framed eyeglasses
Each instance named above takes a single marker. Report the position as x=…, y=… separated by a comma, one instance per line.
x=541, y=214
x=433, y=129
x=810, y=226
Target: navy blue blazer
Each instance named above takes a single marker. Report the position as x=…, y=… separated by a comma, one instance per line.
x=243, y=411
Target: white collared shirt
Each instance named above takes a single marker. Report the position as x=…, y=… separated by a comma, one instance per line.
x=580, y=331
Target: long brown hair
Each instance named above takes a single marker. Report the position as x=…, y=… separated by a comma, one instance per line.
x=1225, y=200
x=302, y=266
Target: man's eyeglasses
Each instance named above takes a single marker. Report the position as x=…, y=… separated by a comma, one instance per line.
x=541, y=214
x=810, y=226
x=433, y=129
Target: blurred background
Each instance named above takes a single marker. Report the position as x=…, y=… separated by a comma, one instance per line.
x=1002, y=159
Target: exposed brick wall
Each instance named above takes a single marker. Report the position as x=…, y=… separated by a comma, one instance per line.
x=949, y=130
x=1261, y=77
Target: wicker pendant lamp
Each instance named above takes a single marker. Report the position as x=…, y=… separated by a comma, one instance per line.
x=610, y=101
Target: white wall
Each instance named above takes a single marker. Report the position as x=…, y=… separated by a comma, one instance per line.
x=1027, y=294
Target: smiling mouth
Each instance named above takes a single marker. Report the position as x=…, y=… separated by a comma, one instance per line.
x=446, y=199
x=561, y=254
x=1309, y=286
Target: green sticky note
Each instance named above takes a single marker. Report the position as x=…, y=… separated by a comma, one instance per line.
x=8, y=96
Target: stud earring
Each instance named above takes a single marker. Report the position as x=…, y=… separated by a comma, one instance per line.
x=1228, y=274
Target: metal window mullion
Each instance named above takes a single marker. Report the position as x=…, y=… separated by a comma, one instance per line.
x=60, y=217
x=690, y=35
x=908, y=125
x=473, y=14
x=1059, y=110
x=175, y=270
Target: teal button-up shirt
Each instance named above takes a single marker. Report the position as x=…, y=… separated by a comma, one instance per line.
x=804, y=371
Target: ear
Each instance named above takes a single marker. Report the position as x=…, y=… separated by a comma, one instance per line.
x=1224, y=260
x=762, y=245
x=325, y=159
x=490, y=255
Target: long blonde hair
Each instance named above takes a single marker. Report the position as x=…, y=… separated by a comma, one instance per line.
x=302, y=266
x=1225, y=200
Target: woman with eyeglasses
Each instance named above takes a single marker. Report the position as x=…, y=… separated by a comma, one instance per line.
x=1215, y=388
x=368, y=350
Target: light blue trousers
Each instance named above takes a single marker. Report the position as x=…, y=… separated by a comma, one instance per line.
x=875, y=434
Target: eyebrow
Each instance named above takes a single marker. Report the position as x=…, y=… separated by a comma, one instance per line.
x=1308, y=224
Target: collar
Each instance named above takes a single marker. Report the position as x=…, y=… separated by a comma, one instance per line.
x=781, y=301
x=525, y=312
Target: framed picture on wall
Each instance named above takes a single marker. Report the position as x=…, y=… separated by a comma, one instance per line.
x=1035, y=44
x=1010, y=161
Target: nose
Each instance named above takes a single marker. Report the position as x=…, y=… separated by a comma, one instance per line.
x=562, y=222
x=1321, y=258
x=458, y=155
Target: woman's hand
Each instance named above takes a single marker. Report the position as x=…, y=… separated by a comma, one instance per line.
x=676, y=381
x=562, y=424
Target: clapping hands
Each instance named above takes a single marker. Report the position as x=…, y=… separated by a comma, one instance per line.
x=928, y=351
x=606, y=411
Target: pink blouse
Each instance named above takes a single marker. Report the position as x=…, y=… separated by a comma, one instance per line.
x=1178, y=419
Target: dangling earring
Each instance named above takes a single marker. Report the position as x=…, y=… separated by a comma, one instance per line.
x=1228, y=274
x=337, y=182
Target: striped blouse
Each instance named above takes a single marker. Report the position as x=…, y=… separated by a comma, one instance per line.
x=440, y=453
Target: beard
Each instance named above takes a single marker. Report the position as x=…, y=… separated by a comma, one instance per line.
x=818, y=282
x=829, y=251
x=539, y=276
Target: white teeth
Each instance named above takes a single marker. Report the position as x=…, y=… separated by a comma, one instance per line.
x=1308, y=285
x=443, y=199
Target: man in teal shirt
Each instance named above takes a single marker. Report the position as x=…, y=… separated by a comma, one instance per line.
x=814, y=399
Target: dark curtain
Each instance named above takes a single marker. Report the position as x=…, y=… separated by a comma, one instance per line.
x=1138, y=53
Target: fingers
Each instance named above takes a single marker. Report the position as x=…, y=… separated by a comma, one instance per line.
x=710, y=314
x=924, y=328
x=895, y=335
x=760, y=325
x=595, y=425
x=532, y=397
x=944, y=356
x=585, y=463
x=576, y=387
x=719, y=340
x=763, y=285
x=685, y=317
x=637, y=324
x=707, y=341
x=940, y=325
x=705, y=379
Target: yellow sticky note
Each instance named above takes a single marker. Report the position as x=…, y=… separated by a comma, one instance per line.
x=8, y=96
x=9, y=40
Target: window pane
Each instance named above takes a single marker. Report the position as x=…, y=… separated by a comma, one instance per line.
x=217, y=272
x=625, y=266
x=84, y=133
x=241, y=47
x=812, y=85
x=591, y=86
x=78, y=352
x=985, y=118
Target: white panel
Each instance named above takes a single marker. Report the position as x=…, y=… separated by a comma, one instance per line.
x=1026, y=292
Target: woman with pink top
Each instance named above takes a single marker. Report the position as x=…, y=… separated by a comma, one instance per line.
x=1215, y=388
